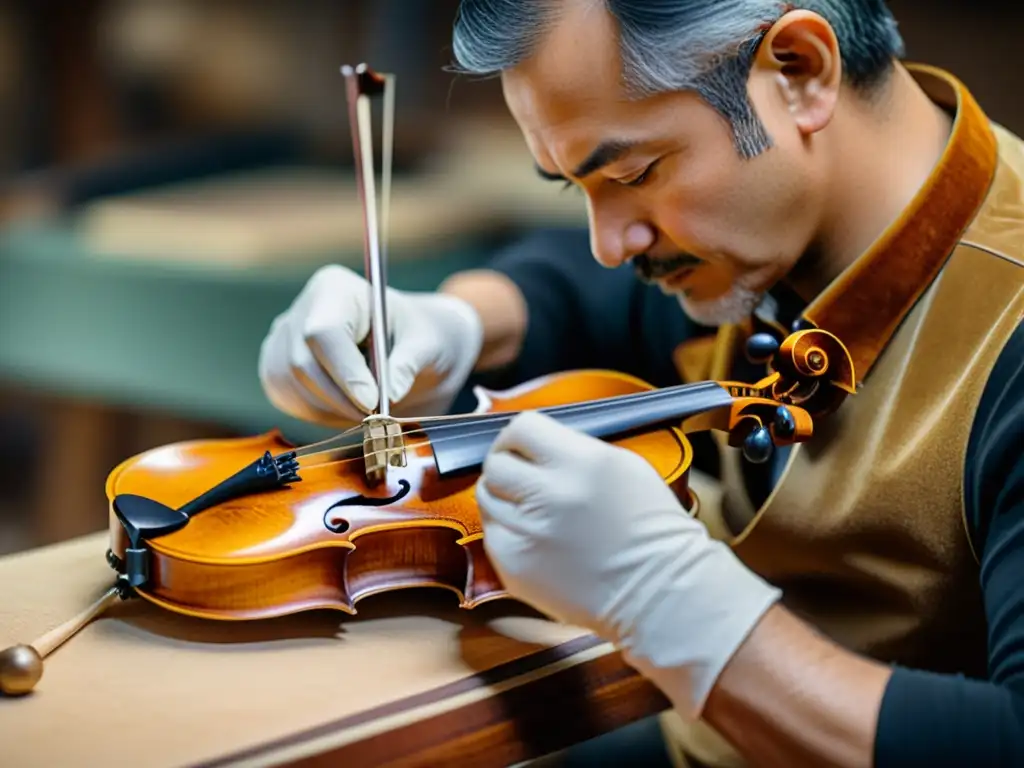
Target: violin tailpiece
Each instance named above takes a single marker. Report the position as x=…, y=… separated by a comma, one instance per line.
x=143, y=518
x=265, y=474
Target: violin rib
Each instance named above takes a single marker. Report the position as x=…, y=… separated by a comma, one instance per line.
x=334, y=540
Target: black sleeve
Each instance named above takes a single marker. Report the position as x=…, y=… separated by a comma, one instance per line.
x=584, y=315
x=938, y=720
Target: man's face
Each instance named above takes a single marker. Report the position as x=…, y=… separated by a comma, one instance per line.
x=665, y=187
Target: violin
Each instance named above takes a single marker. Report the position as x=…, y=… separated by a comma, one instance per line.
x=256, y=527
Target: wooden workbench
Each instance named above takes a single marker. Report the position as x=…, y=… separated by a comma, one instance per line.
x=411, y=680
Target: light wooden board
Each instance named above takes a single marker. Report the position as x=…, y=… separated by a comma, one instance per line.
x=411, y=680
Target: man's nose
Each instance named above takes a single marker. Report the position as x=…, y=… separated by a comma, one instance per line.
x=613, y=247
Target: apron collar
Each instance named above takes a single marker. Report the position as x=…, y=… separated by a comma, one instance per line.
x=867, y=302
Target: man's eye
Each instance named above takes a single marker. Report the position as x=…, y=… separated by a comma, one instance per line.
x=636, y=182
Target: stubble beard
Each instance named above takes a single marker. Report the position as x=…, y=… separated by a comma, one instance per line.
x=733, y=307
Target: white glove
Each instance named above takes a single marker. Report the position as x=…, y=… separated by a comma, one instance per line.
x=589, y=534
x=311, y=367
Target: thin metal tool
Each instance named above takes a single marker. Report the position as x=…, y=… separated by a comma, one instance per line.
x=382, y=436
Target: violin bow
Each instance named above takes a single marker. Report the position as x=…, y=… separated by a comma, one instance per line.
x=383, y=444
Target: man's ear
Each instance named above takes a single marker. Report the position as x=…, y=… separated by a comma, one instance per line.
x=802, y=50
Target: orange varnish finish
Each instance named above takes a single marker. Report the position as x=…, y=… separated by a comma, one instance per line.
x=271, y=554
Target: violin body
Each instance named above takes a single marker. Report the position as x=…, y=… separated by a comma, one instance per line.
x=240, y=529
x=333, y=539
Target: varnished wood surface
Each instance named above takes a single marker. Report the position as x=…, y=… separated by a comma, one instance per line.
x=412, y=680
x=270, y=554
x=554, y=699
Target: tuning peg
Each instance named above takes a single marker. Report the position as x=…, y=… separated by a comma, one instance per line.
x=761, y=347
x=785, y=424
x=757, y=446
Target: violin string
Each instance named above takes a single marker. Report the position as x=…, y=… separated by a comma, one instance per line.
x=491, y=426
x=569, y=409
x=342, y=461
x=488, y=431
x=407, y=446
x=486, y=421
x=484, y=432
x=491, y=423
x=460, y=421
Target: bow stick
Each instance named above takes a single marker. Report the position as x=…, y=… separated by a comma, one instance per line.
x=383, y=444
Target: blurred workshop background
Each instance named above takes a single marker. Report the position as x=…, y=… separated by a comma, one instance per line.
x=172, y=171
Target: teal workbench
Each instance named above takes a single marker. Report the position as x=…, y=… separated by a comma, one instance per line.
x=163, y=335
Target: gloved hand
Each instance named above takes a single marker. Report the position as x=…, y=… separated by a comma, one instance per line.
x=311, y=367
x=589, y=534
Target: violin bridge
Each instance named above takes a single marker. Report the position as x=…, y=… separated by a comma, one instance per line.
x=383, y=446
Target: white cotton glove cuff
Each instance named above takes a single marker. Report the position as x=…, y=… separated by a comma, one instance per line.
x=686, y=623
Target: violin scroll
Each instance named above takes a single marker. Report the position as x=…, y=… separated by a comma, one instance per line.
x=811, y=368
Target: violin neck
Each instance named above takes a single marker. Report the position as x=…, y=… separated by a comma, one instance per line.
x=462, y=445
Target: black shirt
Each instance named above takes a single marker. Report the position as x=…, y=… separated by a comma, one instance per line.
x=583, y=315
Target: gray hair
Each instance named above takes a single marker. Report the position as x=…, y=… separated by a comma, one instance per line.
x=707, y=46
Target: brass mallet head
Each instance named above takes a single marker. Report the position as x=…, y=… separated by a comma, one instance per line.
x=21, y=666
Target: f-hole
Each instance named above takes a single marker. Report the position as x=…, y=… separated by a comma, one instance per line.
x=338, y=524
